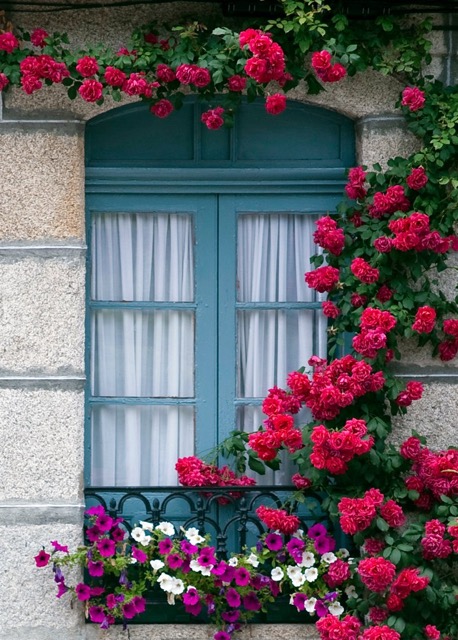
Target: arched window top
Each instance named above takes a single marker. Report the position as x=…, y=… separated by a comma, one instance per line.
x=304, y=136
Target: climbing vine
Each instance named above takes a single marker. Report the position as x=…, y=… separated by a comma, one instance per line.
x=382, y=253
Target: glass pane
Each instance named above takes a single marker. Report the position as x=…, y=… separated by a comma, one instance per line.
x=273, y=253
x=133, y=446
x=273, y=343
x=142, y=353
x=142, y=257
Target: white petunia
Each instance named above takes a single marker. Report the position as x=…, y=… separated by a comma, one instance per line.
x=336, y=608
x=329, y=557
x=233, y=562
x=195, y=566
x=133, y=561
x=344, y=553
x=253, y=560
x=147, y=526
x=277, y=574
x=166, y=528
x=296, y=576
x=308, y=559
x=311, y=574
x=351, y=591
x=156, y=564
x=138, y=534
x=298, y=534
x=310, y=605
x=207, y=571
x=192, y=534
x=171, y=584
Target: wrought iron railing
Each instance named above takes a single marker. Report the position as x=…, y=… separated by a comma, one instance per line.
x=228, y=514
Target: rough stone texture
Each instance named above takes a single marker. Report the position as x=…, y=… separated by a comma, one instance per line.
x=378, y=140
x=364, y=94
x=434, y=416
x=203, y=632
x=42, y=194
x=28, y=593
x=41, y=440
x=42, y=315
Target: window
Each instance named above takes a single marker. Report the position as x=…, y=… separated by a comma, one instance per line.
x=197, y=302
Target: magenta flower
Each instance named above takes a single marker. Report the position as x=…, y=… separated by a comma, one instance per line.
x=316, y=531
x=165, y=546
x=323, y=544
x=106, y=547
x=93, y=533
x=174, y=560
x=321, y=609
x=242, y=576
x=274, y=542
x=188, y=548
x=61, y=589
x=118, y=534
x=59, y=547
x=193, y=609
x=139, y=604
x=221, y=635
x=83, y=592
x=191, y=597
x=233, y=598
x=230, y=616
x=139, y=555
x=250, y=602
x=104, y=522
x=111, y=601
x=96, y=614
x=42, y=559
x=207, y=557
x=129, y=610
x=97, y=591
x=299, y=600
x=97, y=510
x=96, y=569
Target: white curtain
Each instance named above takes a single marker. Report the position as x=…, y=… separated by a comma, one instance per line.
x=141, y=353
x=273, y=253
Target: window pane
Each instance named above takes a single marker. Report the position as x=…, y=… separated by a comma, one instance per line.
x=273, y=343
x=142, y=257
x=134, y=445
x=273, y=254
x=142, y=353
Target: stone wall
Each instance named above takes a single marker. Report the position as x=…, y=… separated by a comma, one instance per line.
x=42, y=275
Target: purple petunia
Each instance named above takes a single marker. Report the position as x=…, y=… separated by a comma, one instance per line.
x=274, y=542
x=95, y=569
x=104, y=522
x=221, y=635
x=139, y=603
x=317, y=530
x=323, y=544
x=233, y=598
x=42, y=558
x=59, y=547
x=139, y=555
x=207, y=557
x=250, y=602
x=299, y=600
x=93, y=533
x=191, y=597
x=61, y=589
x=230, y=616
x=174, y=560
x=321, y=609
x=118, y=534
x=188, y=548
x=242, y=576
x=129, y=610
x=165, y=546
x=106, y=547
x=83, y=592
x=97, y=614
x=97, y=510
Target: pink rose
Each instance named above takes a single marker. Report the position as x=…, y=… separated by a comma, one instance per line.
x=91, y=90
x=201, y=77
x=8, y=42
x=184, y=73
x=87, y=66
x=212, y=118
x=236, y=83
x=30, y=83
x=3, y=81
x=413, y=97
x=114, y=77
x=165, y=73
x=275, y=104
x=417, y=179
x=38, y=38
x=162, y=108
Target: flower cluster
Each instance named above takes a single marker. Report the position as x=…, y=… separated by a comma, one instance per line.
x=375, y=324
x=329, y=236
x=334, y=450
x=193, y=472
x=327, y=72
x=413, y=232
x=186, y=568
x=435, y=544
x=357, y=514
x=433, y=473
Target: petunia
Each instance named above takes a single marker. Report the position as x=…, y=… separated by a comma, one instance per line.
x=106, y=547
x=42, y=559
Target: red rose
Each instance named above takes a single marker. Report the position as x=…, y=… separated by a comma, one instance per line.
x=30, y=83
x=321, y=60
x=236, y=83
x=417, y=179
x=38, y=38
x=275, y=104
x=8, y=42
x=260, y=44
x=323, y=279
x=410, y=448
x=363, y=271
x=3, y=81
x=335, y=73
x=213, y=118
x=165, y=73
x=376, y=573
x=114, y=77
x=135, y=85
x=256, y=68
x=91, y=90
x=184, y=73
x=87, y=66
x=425, y=319
x=246, y=36
x=201, y=77
x=393, y=514
x=383, y=244
x=330, y=310
x=162, y=108
x=448, y=350
x=413, y=98
x=451, y=327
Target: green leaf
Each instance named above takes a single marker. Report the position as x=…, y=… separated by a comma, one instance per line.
x=256, y=465
x=381, y=524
